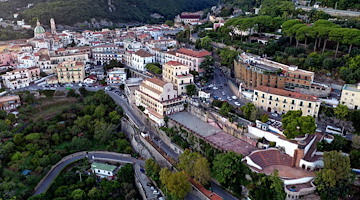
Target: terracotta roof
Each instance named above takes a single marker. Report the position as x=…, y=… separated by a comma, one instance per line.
x=173, y=63
x=171, y=52
x=143, y=53
x=157, y=81
x=198, y=54
x=187, y=16
x=9, y=98
x=286, y=93
x=26, y=57
x=106, y=45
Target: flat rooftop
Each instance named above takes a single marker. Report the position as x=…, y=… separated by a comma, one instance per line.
x=212, y=134
x=195, y=124
x=351, y=87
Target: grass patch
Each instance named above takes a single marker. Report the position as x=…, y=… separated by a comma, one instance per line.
x=48, y=109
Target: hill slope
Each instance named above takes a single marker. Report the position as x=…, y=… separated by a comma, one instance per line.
x=72, y=11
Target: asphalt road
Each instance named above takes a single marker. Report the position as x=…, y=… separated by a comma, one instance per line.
x=126, y=107
x=54, y=173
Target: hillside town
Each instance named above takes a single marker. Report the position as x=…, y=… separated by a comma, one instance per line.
x=186, y=92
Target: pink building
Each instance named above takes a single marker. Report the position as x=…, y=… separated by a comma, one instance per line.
x=5, y=58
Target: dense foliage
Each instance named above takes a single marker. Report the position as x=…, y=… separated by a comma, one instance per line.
x=48, y=130
x=73, y=11
x=68, y=185
x=296, y=125
x=334, y=180
x=154, y=68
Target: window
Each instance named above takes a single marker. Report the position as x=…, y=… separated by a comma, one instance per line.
x=309, y=105
x=292, y=101
x=301, y=103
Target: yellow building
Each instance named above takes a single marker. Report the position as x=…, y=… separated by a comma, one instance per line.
x=177, y=74
x=350, y=96
x=280, y=101
x=71, y=72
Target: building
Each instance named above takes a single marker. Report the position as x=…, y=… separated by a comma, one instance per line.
x=39, y=31
x=116, y=76
x=102, y=54
x=254, y=71
x=188, y=18
x=90, y=79
x=190, y=58
x=71, y=72
x=159, y=98
x=177, y=74
x=103, y=170
x=280, y=101
x=140, y=59
x=203, y=94
x=350, y=96
x=20, y=78
x=9, y=103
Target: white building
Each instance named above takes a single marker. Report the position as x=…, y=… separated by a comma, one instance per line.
x=103, y=170
x=140, y=58
x=20, y=78
x=104, y=53
x=116, y=76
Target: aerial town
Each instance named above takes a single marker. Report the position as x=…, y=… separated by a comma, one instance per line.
x=223, y=103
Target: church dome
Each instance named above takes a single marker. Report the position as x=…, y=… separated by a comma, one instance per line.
x=39, y=30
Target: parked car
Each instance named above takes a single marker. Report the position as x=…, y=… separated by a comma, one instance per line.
x=275, y=115
x=223, y=93
x=234, y=97
x=156, y=192
x=237, y=103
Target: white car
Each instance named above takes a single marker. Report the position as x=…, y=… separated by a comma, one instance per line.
x=234, y=97
x=223, y=93
x=156, y=192
x=229, y=98
x=221, y=99
x=215, y=88
x=237, y=103
x=275, y=115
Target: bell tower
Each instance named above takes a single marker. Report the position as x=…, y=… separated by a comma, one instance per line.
x=53, y=26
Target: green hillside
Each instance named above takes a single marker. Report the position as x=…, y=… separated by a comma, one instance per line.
x=73, y=11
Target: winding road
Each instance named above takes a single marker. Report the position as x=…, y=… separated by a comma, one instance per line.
x=55, y=171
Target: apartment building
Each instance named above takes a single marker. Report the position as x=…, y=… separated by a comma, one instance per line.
x=159, y=98
x=116, y=76
x=20, y=78
x=102, y=54
x=140, y=58
x=350, y=96
x=71, y=72
x=280, y=101
x=177, y=74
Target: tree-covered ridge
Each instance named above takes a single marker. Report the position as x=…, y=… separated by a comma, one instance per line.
x=73, y=11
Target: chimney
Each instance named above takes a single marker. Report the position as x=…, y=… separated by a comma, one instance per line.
x=298, y=154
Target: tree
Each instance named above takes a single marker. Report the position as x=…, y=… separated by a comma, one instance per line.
x=104, y=131
x=94, y=194
x=206, y=43
x=165, y=174
x=337, y=36
x=334, y=180
x=341, y=111
x=202, y=173
x=247, y=109
x=264, y=118
x=227, y=57
x=191, y=90
x=286, y=28
x=169, y=22
x=268, y=187
x=355, y=142
x=230, y=171
x=152, y=169
x=351, y=37
x=78, y=194
x=187, y=161
x=355, y=159
x=295, y=124
x=178, y=185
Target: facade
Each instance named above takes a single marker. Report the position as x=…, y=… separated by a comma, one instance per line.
x=204, y=94
x=116, y=76
x=253, y=71
x=39, y=31
x=71, y=72
x=102, y=54
x=188, y=18
x=140, y=59
x=177, y=74
x=350, y=96
x=9, y=103
x=280, y=101
x=20, y=78
x=190, y=58
x=103, y=170
x=158, y=98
